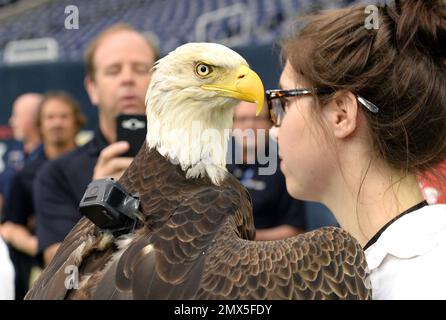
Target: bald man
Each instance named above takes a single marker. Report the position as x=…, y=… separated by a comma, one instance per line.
x=24, y=124
x=23, y=120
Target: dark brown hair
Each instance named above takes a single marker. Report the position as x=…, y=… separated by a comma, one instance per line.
x=399, y=67
x=93, y=45
x=69, y=100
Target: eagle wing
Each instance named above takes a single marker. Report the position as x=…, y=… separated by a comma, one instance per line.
x=54, y=282
x=162, y=259
x=200, y=253
x=169, y=262
x=324, y=264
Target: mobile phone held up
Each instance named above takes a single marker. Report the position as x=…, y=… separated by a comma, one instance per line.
x=133, y=129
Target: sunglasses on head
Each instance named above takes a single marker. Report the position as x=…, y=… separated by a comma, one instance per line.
x=276, y=100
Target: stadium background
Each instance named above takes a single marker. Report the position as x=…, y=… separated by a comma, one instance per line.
x=251, y=27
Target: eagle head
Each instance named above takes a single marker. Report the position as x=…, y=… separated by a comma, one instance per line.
x=190, y=102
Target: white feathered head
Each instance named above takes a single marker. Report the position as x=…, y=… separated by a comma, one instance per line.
x=190, y=104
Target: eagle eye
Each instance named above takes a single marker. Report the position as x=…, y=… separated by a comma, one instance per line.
x=203, y=69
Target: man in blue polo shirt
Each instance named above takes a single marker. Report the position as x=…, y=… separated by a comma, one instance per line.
x=118, y=66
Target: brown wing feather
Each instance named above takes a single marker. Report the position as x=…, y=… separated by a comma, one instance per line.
x=51, y=283
x=168, y=263
x=324, y=264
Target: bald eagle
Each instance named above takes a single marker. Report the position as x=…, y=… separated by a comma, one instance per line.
x=196, y=238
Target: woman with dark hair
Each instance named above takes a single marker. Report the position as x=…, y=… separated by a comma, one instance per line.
x=360, y=112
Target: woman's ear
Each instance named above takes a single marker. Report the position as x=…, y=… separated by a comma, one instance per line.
x=341, y=114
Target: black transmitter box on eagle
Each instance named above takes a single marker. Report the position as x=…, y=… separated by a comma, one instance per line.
x=109, y=206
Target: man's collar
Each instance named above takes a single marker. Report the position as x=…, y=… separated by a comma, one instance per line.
x=98, y=143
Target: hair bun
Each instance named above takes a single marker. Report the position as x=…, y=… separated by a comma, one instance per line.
x=420, y=24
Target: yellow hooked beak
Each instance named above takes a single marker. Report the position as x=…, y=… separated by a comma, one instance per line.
x=246, y=86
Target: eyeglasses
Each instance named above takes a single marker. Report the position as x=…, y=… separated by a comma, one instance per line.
x=276, y=100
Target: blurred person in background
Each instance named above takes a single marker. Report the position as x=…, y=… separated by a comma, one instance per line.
x=23, y=122
x=276, y=214
x=118, y=70
x=59, y=120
